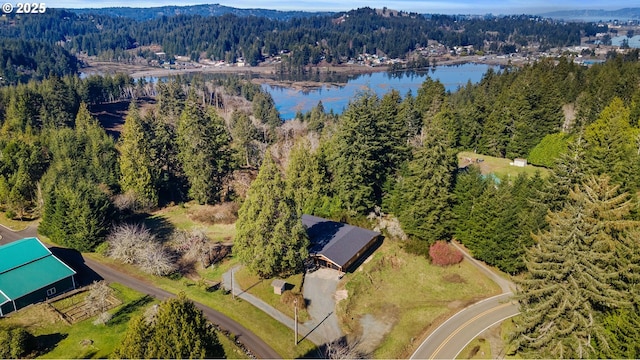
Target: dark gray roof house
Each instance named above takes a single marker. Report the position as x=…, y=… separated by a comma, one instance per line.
x=337, y=245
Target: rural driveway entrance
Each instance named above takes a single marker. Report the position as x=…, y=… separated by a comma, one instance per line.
x=320, y=289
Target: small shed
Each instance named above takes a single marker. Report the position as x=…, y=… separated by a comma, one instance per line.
x=279, y=286
x=520, y=162
x=30, y=273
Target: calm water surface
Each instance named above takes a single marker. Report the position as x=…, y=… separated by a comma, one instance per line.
x=289, y=101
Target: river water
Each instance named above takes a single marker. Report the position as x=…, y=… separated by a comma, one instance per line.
x=337, y=96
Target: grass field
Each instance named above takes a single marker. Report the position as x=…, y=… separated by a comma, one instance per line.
x=15, y=225
x=274, y=333
x=180, y=217
x=507, y=328
x=85, y=340
x=81, y=340
x=264, y=291
x=479, y=348
x=409, y=294
x=499, y=166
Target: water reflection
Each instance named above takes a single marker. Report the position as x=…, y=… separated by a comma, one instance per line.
x=335, y=95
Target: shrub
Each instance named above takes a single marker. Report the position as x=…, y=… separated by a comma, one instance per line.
x=549, y=149
x=442, y=254
x=289, y=297
x=10, y=214
x=16, y=343
x=416, y=247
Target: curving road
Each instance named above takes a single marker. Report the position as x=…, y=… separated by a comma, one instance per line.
x=450, y=338
x=89, y=269
x=7, y=235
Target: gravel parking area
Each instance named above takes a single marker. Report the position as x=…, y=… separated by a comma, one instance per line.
x=319, y=289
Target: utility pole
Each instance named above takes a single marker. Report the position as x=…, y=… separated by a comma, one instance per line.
x=295, y=319
x=233, y=295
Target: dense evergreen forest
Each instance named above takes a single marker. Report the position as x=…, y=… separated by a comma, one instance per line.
x=308, y=40
x=571, y=236
x=393, y=155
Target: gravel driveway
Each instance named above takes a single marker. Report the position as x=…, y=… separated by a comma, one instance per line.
x=320, y=288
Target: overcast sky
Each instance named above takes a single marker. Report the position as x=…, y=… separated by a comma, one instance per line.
x=438, y=6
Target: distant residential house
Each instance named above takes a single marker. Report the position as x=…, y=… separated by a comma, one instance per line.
x=519, y=162
x=30, y=273
x=336, y=245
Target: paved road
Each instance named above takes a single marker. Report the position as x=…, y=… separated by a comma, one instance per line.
x=7, y=235
x=89, y=269
x=450, y=338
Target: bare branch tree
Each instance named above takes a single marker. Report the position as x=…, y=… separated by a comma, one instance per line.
x=194, y=246
x=98, y=298
x=135, y=244
x=156, y=259
x=342, y=349
x=97, y=301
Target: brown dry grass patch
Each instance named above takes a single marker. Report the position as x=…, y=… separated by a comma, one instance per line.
x=225, y=213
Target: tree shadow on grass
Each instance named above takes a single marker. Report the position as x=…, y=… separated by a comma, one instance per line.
x=46, y=343
x=124, y=314
x=160, y=227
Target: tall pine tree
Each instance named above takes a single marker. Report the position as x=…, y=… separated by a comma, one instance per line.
x=137, y=173
x=178, y=330
x=354, y=155
x=271, y=239
x=574, y=274
x=204, y=151
x=306, y=179
x=426, y=191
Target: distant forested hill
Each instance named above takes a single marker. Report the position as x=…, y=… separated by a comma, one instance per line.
x=596, y=15
x=309, y=40
x=201, y=10
x=22, y=60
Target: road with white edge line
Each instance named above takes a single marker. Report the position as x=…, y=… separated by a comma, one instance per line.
x=450, y=338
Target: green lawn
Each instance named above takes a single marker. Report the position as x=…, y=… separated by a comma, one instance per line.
x=479, y=348
x=506, y=330
x=15, y=225
x=409, y=294
x=81, y=340
x=180, y=217
x=84, y=340
x=272, y=332
x=263, y=290
x=499, y=166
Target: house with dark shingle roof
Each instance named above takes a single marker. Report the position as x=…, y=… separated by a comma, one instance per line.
x=337, y=245
x=30, y=273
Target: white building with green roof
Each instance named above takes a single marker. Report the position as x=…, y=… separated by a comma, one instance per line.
x=30, y=273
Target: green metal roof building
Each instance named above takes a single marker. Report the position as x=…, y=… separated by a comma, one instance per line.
x=30, y=273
